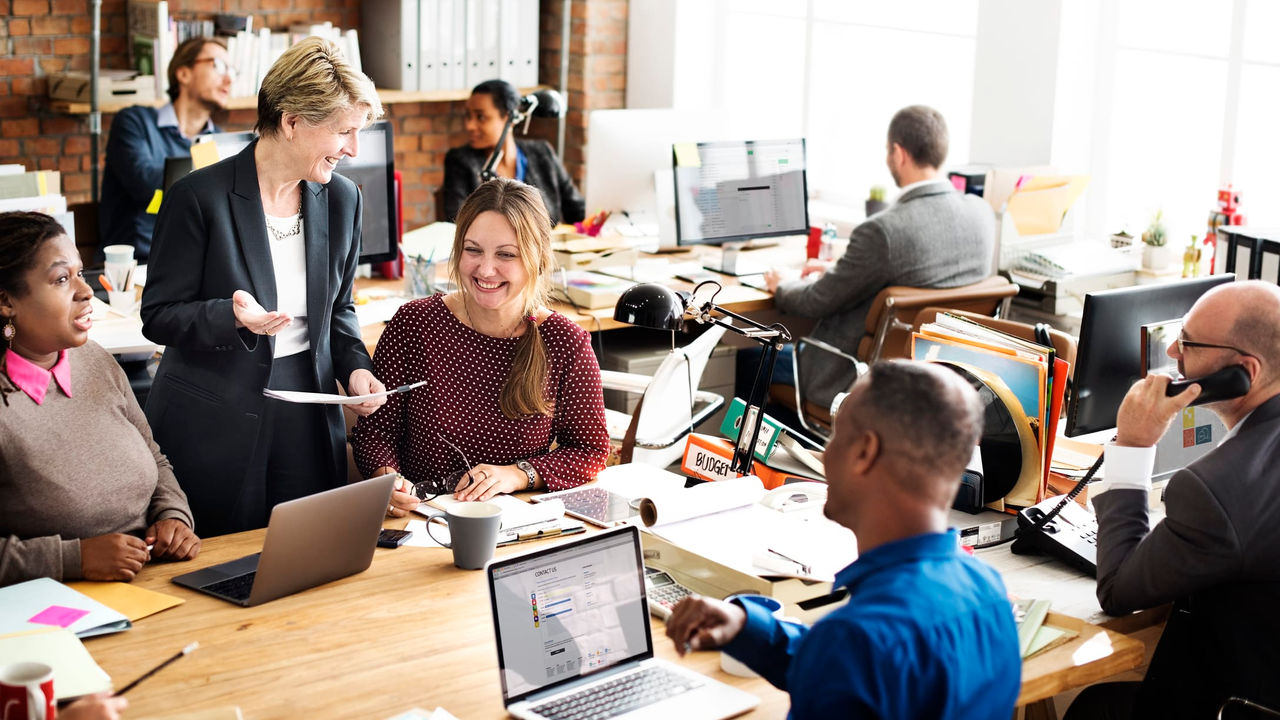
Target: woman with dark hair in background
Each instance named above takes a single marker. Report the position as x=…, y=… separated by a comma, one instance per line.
x=85, y=488
x=513, y=398
x=532, y=162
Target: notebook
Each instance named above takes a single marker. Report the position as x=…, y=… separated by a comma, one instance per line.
x=310, y=541
x=572, y=627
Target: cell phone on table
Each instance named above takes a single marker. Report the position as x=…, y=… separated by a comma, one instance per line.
x=389, y=538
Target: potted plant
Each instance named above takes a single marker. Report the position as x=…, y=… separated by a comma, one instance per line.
x=875, y=202
x=1154, y=238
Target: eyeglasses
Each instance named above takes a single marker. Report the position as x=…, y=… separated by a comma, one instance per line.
x=1183, y=343
x=428, y=490
x=220, y=66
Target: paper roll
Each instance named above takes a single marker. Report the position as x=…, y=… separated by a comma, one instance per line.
x=705, y=499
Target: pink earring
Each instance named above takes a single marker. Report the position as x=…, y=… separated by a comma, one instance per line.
x=10, y=332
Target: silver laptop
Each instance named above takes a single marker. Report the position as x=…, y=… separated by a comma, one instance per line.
x=310, y=541
x=572, y=627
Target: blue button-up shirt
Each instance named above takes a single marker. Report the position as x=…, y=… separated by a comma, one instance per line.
x=140, y=139
x=928, y=632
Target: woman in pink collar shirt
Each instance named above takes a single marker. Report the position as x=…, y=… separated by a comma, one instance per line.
x=87, y=492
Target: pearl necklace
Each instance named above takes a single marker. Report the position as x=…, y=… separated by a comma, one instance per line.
x=297, y=225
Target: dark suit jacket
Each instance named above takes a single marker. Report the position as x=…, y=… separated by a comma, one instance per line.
x=462, y=166
x=1216, y=555
x=932, y=237
x=211, y=240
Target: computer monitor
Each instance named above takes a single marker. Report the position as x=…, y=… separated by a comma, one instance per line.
x=373, y=170
x=1109, y=356
x=739, y=190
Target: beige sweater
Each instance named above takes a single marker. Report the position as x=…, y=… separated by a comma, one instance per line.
x=78, y=467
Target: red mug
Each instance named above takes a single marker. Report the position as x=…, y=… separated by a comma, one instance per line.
x=26, y=692
x=814, y=247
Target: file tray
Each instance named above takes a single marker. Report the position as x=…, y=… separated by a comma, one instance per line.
x=804, y=600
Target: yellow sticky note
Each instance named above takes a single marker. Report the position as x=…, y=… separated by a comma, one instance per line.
x=203, y=154
x=154, y=206
x=687, y=155
x=1188, y=417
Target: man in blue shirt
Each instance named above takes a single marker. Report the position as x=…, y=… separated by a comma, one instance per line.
x=141, y=137
x=928, y=631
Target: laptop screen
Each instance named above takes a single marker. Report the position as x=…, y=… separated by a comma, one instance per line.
x=569, y=611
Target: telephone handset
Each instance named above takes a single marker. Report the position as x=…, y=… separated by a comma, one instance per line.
x=1231, y=381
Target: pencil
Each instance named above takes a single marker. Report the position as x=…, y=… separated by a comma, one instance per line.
x=157, y=668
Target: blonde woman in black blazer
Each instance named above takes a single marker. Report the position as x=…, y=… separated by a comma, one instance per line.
x=250, y=288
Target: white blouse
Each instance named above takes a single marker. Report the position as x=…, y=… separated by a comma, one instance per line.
x=289, y=262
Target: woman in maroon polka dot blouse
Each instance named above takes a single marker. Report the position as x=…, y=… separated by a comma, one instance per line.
x=513, y=385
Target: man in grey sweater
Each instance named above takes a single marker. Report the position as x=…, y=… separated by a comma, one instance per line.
x=933, y=236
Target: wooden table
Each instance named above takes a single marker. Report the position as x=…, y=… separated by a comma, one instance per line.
x=412, y=630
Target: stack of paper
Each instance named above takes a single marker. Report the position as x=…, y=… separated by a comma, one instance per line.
x=43, y=603
x=74, y=670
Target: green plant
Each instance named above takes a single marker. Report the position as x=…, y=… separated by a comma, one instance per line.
x=1156, y=235
x=877, y=193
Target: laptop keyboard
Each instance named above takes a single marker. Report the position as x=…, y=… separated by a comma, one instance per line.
x=620, y=695
x=236, y=588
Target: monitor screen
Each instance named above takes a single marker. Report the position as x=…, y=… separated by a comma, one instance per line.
x=728, y=191
x=1110, y=354
x=373, y=170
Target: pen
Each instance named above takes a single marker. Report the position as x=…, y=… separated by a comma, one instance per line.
x=157, y=668
x=106, y=284
x=803, y=568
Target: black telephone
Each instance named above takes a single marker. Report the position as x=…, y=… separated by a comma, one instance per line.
x=1231, y=381
x=1070, y=536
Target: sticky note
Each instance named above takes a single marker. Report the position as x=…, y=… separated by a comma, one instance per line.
x=58, y=616
x=203, y=154
x=154, y=206
x=687, y=155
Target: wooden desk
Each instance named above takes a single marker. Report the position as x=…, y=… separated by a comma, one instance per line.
x=412, y=630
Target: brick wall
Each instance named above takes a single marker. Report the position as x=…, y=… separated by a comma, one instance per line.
x=39, y=37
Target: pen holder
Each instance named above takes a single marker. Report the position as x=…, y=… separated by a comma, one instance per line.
x=120, y=291
x=419, y=276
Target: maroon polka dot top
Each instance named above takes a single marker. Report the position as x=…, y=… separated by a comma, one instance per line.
x=465, y=371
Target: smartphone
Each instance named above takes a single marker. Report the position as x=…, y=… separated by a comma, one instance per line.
x=388, y=538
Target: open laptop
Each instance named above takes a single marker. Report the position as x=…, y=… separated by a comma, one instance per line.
x=572, y=627
x=310, y=541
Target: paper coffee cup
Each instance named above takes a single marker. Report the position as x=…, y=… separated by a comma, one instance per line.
x=118, y=254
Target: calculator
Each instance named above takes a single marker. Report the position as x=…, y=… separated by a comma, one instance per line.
x=664, y=592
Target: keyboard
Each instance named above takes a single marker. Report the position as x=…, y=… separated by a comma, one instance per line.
x=619, y=695
x=236, y=588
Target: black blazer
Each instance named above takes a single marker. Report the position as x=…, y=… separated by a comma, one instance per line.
x=462, y=166
x=1216, y=555
x=211, y=240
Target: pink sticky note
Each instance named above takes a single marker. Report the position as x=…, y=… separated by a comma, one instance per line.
x=58, y=616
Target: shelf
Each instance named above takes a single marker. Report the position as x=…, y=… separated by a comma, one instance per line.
x=388, y=97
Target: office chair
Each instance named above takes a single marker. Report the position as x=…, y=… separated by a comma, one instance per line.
x=670, y=403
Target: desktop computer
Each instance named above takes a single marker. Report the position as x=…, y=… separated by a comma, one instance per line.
x=736, y=193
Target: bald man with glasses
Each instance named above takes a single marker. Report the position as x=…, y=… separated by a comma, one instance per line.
x=1216, y=555
x=142, y=137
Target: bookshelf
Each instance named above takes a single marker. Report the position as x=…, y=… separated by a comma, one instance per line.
x=388, y=97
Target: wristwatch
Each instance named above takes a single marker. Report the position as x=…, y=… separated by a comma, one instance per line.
x=530, y=471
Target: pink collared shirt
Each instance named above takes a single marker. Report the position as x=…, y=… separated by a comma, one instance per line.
x=33, y=379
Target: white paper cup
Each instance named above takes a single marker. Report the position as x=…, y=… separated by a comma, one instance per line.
x=118, y=254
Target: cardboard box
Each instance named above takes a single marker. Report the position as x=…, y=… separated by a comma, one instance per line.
x=113, y=86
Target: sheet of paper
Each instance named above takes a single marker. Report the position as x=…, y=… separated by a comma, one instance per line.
x=295, y=396
x=634, y=480
x=74, y=670
x=420, y=538
x=132, y=601
x=516, y=513
x=434, y=241
x=204, y=154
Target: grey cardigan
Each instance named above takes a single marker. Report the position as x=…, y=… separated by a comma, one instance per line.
x=933, y=237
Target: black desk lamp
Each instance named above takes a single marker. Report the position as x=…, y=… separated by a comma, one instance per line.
x=659, y=307
x=542, y=103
